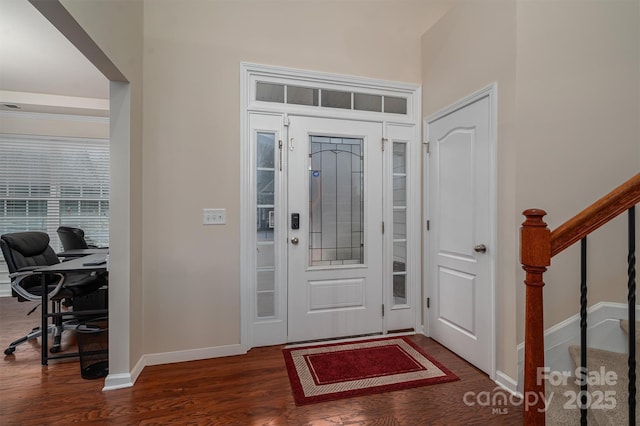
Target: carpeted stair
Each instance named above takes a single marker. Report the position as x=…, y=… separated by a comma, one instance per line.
x=563, y=408
x=559, y=397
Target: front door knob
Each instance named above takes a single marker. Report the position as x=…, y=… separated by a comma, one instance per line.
x=480, y=248
x=294, y=240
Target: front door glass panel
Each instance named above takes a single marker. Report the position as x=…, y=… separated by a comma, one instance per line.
x=336, y=201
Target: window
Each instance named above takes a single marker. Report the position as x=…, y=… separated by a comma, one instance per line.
x=302, y=95
x=48, y=182
x=395, y=105
x=265, y=224
x=336, y=201
x=329, y=98
x=399, y=223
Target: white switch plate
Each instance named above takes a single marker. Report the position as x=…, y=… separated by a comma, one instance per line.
x=214, y=216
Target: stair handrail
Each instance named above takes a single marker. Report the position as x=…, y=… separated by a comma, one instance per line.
x=593, y=217
x=537, y=246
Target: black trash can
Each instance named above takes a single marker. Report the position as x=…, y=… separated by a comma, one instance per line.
x=93, y=347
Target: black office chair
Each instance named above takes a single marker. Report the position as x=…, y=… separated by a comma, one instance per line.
x=25, y=252
x=73, y=238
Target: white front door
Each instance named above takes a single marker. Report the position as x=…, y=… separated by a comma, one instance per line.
x=335, y=184
x=459, y=274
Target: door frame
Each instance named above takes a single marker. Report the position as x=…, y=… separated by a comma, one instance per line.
x=490, y=92
x=253, y=330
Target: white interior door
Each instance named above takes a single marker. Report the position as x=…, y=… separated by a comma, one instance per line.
x=335, y=244
x=459, y=274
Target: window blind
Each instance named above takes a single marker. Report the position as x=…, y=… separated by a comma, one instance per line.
x=47, y=182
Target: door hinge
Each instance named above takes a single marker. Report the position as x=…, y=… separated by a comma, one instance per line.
x=384, y=141
x=428, y=144
x=428, y=224
x=428, y=302
x=383, y=227
x=280, y=152
x=383, y=309
x=285, y=120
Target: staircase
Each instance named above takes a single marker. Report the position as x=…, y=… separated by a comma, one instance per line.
x=538, y=246
x=607, y=389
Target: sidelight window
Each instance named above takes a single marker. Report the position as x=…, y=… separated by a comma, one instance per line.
x=399, y=223
x=265, y=224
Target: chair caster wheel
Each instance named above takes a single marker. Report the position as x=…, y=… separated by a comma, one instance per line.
x=9, y=351
x=55, y=349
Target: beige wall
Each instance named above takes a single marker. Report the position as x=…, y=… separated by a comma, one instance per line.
x=568, y=85
x=192, y=61
x=471, y=47
x=578, y=108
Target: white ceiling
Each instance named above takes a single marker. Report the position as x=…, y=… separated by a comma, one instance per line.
x=41, y=71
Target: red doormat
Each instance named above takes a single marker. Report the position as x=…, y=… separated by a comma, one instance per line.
x=344, y=370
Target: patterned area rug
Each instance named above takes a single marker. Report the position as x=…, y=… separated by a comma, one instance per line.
x=345, y=370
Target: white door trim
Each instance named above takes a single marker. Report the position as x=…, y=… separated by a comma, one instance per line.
x=250, y=74
x=490, y=92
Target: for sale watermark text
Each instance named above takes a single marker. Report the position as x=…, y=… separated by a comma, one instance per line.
x=500, y=400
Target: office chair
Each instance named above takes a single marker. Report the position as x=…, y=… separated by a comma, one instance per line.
x=72, y=238
x=25, y=252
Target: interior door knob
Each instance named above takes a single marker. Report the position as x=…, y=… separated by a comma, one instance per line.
x=294, y=240
x=480, y=248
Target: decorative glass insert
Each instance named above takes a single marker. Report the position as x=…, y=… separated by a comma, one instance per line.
x=399, y=223
x=270, y=92
x=336, y=99
x=265, y=224
x=395, y=105
x=302, y=95
x=336, y=201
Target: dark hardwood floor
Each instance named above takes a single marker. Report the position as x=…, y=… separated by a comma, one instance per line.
x=251, y=389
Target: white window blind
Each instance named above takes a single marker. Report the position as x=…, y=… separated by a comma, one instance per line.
x=48, y=182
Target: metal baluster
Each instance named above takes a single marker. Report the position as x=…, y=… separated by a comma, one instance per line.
x=583, y=331
x=631, y=298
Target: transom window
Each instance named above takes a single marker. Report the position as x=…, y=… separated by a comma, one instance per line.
x=329, y=98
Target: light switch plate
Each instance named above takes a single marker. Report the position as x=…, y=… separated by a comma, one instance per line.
x=214, y=216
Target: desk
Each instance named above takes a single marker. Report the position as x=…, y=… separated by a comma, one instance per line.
x=83, y=252
x=92, y=262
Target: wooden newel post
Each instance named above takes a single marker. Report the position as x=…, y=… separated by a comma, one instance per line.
x=535, y=256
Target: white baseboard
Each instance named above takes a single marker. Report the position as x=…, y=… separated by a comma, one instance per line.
x=507, y=383
x=119, y=381
x=603, y=332
x=193, y=354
